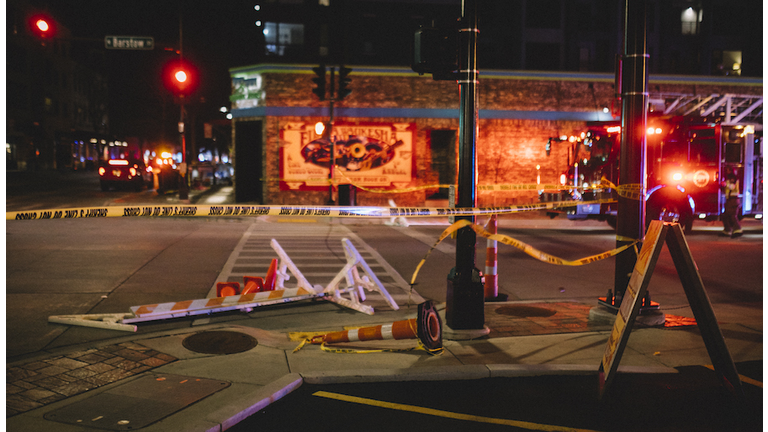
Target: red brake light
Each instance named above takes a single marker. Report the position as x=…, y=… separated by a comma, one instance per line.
x=102, y=171
x=118, y=162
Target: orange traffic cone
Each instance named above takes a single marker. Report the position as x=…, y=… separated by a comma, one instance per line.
x=254, y=284
x=226, y=289
x=427, y=327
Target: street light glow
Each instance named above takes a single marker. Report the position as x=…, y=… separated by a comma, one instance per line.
x=181, y=76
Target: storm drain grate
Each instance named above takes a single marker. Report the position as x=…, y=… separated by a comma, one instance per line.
x=525, y=311
x=138, y=403
x=219, y=342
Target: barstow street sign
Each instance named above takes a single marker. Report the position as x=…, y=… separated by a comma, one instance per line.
x=129, y=42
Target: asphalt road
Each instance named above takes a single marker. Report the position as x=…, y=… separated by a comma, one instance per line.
x=691, y=400
x=60, y=267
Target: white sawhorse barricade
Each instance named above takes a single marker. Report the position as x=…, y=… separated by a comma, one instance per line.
x=351, y=296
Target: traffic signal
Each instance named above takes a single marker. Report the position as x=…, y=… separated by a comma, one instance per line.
x=344, y=81
x=180, y=77
x=319, y=80
x=435, y=51
x=42, y=26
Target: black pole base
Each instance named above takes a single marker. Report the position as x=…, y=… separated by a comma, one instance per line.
x=611, y=305
x=465, y=305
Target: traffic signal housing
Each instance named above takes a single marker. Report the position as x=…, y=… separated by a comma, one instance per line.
x=344, y=81
x=180, y=77
x=435, y=51
x=319, y=81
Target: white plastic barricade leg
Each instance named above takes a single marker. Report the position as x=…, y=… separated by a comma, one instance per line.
x=351, y=274
x=285, y=263
x=105, y=321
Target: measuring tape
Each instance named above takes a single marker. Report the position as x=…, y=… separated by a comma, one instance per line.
x=277, y=210
x=528, y=249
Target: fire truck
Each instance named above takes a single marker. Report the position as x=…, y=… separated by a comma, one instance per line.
x=687, y=160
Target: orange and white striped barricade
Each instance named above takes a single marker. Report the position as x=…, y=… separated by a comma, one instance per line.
x=426, y=327
x=351, y=274
x=243, y=302
x=230, y=297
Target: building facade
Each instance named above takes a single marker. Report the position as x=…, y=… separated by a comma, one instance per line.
x=396, y=134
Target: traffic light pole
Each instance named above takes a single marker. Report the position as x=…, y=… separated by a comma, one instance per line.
x=465, y=294
x=183, y=186
x=630, y=225
x=331, y=201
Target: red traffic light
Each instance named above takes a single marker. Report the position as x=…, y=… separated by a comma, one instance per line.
x=180, y=77
x=42, y=26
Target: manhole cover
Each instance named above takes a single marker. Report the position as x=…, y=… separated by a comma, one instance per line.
x=525, y=311
x=219, y=342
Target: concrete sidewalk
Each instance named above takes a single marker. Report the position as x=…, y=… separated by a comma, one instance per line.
x=565, y=342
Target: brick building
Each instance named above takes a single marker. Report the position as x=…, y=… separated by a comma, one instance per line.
x=399, y=130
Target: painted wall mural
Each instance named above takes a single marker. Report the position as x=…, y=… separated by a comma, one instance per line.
x=366, y=154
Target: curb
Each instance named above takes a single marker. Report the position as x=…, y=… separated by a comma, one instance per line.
x=280, y=388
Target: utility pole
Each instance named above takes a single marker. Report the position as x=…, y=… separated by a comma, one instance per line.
x=465, y=294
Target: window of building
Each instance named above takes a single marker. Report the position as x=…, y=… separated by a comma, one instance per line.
x=726, y=63
x=691, y=21
x=282, y=38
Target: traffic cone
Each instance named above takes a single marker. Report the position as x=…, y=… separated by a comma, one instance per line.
x=226, y=289
x=270, y=279
x=427, y=327
x=254, y=284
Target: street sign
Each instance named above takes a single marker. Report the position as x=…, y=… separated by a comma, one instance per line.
x=129, y=42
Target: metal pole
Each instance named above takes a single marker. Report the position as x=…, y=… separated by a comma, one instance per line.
x=331, y=173
x=631, y=212
x=464, y=298
x=183, y=186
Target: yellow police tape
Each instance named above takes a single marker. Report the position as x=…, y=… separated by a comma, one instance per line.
x=528, y=249
x=278, y=210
